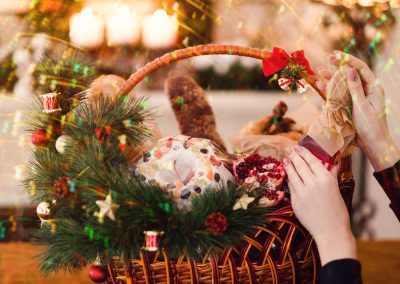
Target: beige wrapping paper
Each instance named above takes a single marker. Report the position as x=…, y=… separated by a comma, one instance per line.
x=264, y=145
x=273, y=145
x=333, y=130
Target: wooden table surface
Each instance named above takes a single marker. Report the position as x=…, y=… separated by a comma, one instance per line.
x=380, y=261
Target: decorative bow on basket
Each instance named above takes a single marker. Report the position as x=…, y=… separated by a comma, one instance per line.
x=292, y=69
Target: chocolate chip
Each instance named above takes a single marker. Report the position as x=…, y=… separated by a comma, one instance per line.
x=217, y=177
x=171, y=186
x=141, y=178
x=197, y=189
x=185, y=193
x=204, y=151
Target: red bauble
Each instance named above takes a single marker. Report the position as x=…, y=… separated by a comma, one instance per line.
x=51, y=6
x=39, y=138
x=97, y=273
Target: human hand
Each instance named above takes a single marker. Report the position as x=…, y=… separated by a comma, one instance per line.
x=369, y=112
x=317, y=203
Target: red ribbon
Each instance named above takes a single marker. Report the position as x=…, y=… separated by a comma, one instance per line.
x=279, y=59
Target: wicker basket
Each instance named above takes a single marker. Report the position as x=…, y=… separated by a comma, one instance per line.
x=281, y=252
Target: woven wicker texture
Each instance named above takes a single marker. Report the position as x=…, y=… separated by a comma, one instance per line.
x=281, y=252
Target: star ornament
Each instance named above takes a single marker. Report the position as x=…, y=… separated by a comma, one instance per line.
x=107, y=208
x=243, y=202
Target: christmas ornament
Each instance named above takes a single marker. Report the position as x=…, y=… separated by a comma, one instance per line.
x=50, y=103
x=61, y=187
x=107, y=208
x=292, y=69
x=51, y=6
x=102, y=133
x=98, y=272
x=184, y=167
x=43, y=211
x=39, y=137
x=262, y=177
x=243, y=202
x=152, y=238
x=61, y=142
x=216, y=223
x=279, y=59
x=293, y=84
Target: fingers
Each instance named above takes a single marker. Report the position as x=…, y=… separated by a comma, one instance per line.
x=301, y=167
x=294, y=179
x=325, y=73
x=332, y=59
x=336, y=80
x=355, y=87
x=314, y=163
x=293, y=192
x=365, y=72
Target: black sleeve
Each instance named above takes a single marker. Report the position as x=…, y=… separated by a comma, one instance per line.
x=389, y=179
x=341, y=271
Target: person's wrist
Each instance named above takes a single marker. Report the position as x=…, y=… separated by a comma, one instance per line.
x=336, y=245
x=382, y=153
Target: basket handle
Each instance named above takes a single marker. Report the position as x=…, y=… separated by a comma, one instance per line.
x=207, y=49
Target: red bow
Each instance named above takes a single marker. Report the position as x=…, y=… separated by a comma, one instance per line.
x=279, y=59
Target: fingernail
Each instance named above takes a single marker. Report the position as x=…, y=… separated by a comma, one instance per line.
x=297, y=148
x=285, y=162
x=353, y=74
x=289, y=152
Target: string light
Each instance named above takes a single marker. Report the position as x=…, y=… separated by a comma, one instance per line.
x=362, y=3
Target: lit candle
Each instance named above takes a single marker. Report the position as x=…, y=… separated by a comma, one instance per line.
x=159, y=30
x=122, y=27
x=86, y=29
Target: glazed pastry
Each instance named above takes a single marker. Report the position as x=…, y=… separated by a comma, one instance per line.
x=184, y=167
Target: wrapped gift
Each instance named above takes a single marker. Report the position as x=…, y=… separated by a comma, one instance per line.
x=333, y=131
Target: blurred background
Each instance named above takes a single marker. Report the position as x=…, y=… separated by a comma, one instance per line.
x=121, y=36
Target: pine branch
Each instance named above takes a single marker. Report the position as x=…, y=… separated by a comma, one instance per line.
x=146, y=207
x=45, y=166
x=69, y=74
x=123, y=116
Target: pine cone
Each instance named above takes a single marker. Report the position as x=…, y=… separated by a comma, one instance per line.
x=61, y=187
x=216, y=223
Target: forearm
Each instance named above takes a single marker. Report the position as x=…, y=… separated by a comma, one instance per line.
x=382, y=153
x=339, y=259
x=339, y=246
